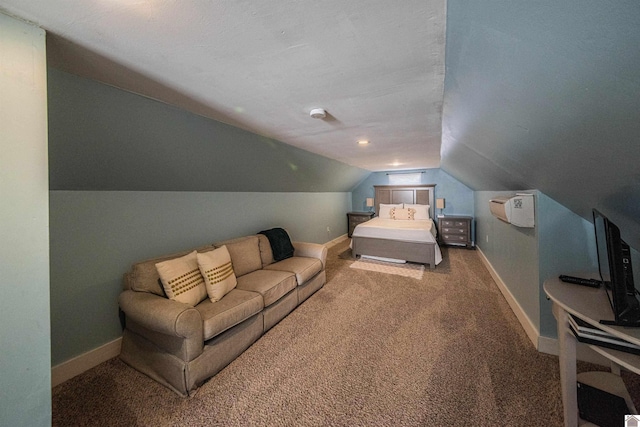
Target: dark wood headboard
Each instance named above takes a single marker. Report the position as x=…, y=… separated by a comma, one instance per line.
x=414, y=194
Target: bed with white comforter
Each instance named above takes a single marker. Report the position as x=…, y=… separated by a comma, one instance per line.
x=398, y=240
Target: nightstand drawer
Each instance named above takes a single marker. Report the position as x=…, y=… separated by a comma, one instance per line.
x=454, y=238
x=454, y=223
x=453, y=230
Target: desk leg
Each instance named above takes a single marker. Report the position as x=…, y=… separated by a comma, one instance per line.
x=567, y=356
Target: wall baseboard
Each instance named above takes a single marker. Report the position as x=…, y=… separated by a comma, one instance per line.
x=542, y=344
x=335, y=241
x=528, y=326
x=548, y=345
x=82, y=363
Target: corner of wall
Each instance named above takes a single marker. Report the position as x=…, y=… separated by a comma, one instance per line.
x=24, y=226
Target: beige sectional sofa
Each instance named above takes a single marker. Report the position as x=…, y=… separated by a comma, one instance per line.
x=181, y=346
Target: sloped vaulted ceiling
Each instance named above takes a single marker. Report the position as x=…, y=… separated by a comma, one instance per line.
x=376, y=66
x=546, y=95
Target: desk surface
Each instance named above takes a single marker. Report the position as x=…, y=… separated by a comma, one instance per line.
x=592, y=305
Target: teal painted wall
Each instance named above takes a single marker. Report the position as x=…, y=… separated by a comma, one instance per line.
x=25, y=372
x=562, y=242
x=97, y=235
x=103, y=138
x=567, y=245
x=512, y=251
x=458, y=197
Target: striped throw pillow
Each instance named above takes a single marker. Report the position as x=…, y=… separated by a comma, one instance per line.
x=217, y=270
x=181, y=279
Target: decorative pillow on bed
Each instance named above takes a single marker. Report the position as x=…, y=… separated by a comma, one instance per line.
x=218, y=273
x=422, y=211
x=181, y=279
x=385, y=210
x=403, y=214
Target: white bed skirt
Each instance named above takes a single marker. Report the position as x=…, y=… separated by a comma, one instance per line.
x=379, y=258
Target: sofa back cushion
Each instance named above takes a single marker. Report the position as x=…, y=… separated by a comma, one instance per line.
x=281, y=246
x=266, y=253
x=144, y=277
x=245, y=254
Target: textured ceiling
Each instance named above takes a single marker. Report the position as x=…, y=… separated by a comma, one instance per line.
x=377, y=67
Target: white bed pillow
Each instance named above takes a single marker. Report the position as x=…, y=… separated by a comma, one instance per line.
x=422, y=211
x=385, y=210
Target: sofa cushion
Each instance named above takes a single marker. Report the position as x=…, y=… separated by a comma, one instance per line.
x=144, y=277
x=304, y=268
x=266, y=254
x=271, y=284
x=182, y=280
x=235, y=307
x=245, y=254
x=280, y=242
x=217, y=270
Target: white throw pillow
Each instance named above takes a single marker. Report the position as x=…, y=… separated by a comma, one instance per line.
x=385, y=210
x=403, y=214
x=422, y=211
x=181, y=279
x=218, y=273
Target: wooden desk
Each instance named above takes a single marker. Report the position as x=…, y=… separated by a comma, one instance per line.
x=590, y=305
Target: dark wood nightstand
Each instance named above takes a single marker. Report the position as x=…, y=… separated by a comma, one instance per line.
x=355, y=218
x=455, y=230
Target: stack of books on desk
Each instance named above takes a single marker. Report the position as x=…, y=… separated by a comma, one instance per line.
x=589, y=334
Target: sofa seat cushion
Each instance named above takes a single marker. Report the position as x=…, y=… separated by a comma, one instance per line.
x=272, y=285
x=304, y=268
x=235, y=307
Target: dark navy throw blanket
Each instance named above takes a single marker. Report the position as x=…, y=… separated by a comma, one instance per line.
x=280, y=243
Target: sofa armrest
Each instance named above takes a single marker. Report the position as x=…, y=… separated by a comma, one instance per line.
x=311, y=250
x=162, y=315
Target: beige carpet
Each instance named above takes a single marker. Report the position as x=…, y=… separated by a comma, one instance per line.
x=415, y=271
x=368, y=349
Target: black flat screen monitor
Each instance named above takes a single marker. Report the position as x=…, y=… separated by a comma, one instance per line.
x=614, y=263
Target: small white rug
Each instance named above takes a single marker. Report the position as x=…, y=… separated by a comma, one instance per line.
x=414, y=271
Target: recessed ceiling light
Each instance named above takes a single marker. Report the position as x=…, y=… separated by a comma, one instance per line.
x=363, y=142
